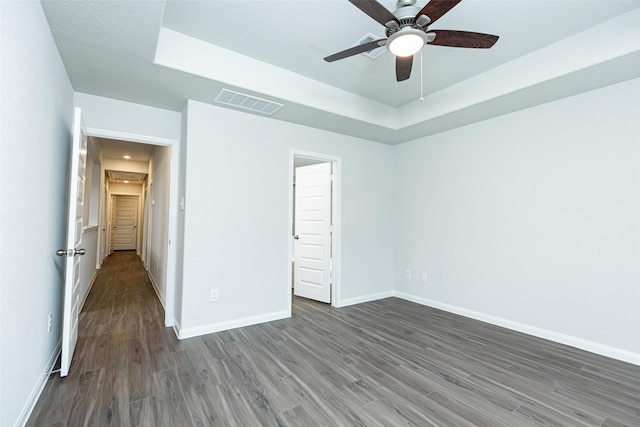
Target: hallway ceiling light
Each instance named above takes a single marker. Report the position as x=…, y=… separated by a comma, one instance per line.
x=126, y=156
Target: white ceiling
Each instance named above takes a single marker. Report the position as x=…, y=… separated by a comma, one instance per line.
x=115, y=149
x=162, y=53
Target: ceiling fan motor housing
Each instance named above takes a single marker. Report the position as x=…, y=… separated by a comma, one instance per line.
x=406, y=13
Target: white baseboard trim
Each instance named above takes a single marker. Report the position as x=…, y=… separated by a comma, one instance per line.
x=38, y=388
x=156, y=289
x=590, y=346
x=230, y=324
x=364, y=298
x=84, y=298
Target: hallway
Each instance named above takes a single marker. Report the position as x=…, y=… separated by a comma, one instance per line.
x=383, y=363
x=122, y=341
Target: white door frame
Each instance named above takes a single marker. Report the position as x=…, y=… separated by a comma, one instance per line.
x=148, y=223
x=174, y=144
x=145, y=223
x=138, y=213
x=336, y=295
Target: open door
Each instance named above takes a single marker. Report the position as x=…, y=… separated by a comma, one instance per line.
x=312, y=239
x=73, y=251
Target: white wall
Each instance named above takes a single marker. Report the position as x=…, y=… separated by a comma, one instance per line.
x=36, y=102
x=124, y=166
x=130, y=189
x=160, y=174
x=151, y=125
x=237, y=234
x=530, y=220
x=92, y=191
x=88, y=262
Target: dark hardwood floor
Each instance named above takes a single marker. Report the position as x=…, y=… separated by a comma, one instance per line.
x=383, y=363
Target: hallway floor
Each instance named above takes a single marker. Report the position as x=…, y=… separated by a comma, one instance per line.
x=384, y=363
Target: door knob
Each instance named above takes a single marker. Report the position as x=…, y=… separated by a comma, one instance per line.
x=70, y=252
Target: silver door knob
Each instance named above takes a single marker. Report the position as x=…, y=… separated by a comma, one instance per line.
x=70, y=252
x=296, y=237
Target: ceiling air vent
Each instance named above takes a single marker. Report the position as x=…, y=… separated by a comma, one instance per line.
x=248, y=102
x=373, y=53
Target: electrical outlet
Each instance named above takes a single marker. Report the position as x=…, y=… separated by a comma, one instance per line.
x=214, y=295
x=50, y=322
x=407, y=274
x=424, y=277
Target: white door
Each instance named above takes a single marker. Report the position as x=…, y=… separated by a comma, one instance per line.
x=312, y=234
x=125, y=223
x=74, y=239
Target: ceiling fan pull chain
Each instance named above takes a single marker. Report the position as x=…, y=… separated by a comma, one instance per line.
x=421, y=78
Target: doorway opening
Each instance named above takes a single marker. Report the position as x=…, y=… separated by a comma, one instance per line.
x=139, y=184
x=314, y=209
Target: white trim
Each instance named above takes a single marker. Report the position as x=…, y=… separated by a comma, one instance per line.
x=365, y=298
x=38, y=388
x=131, y=137
x=590, y=346
x=336, y=206
x=230, y=324
x=157, y=291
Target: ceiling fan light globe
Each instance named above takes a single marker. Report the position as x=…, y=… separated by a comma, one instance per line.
x=406, y=43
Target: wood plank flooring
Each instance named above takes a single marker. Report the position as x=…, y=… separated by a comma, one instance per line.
x=383, y=363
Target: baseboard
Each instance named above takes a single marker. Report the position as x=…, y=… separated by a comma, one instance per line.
x=231, y=324
x=364, y=298
x=156, y=289
x=590, y=346
x=84, y=298
x=38, y=388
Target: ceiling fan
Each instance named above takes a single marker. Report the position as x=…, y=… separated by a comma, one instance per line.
x=407, y=30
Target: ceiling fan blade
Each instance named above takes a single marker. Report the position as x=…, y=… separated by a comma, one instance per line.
x=469, y=39
x=436, y=8
x=375, y=10
x=403, y=67
x=356, y=50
